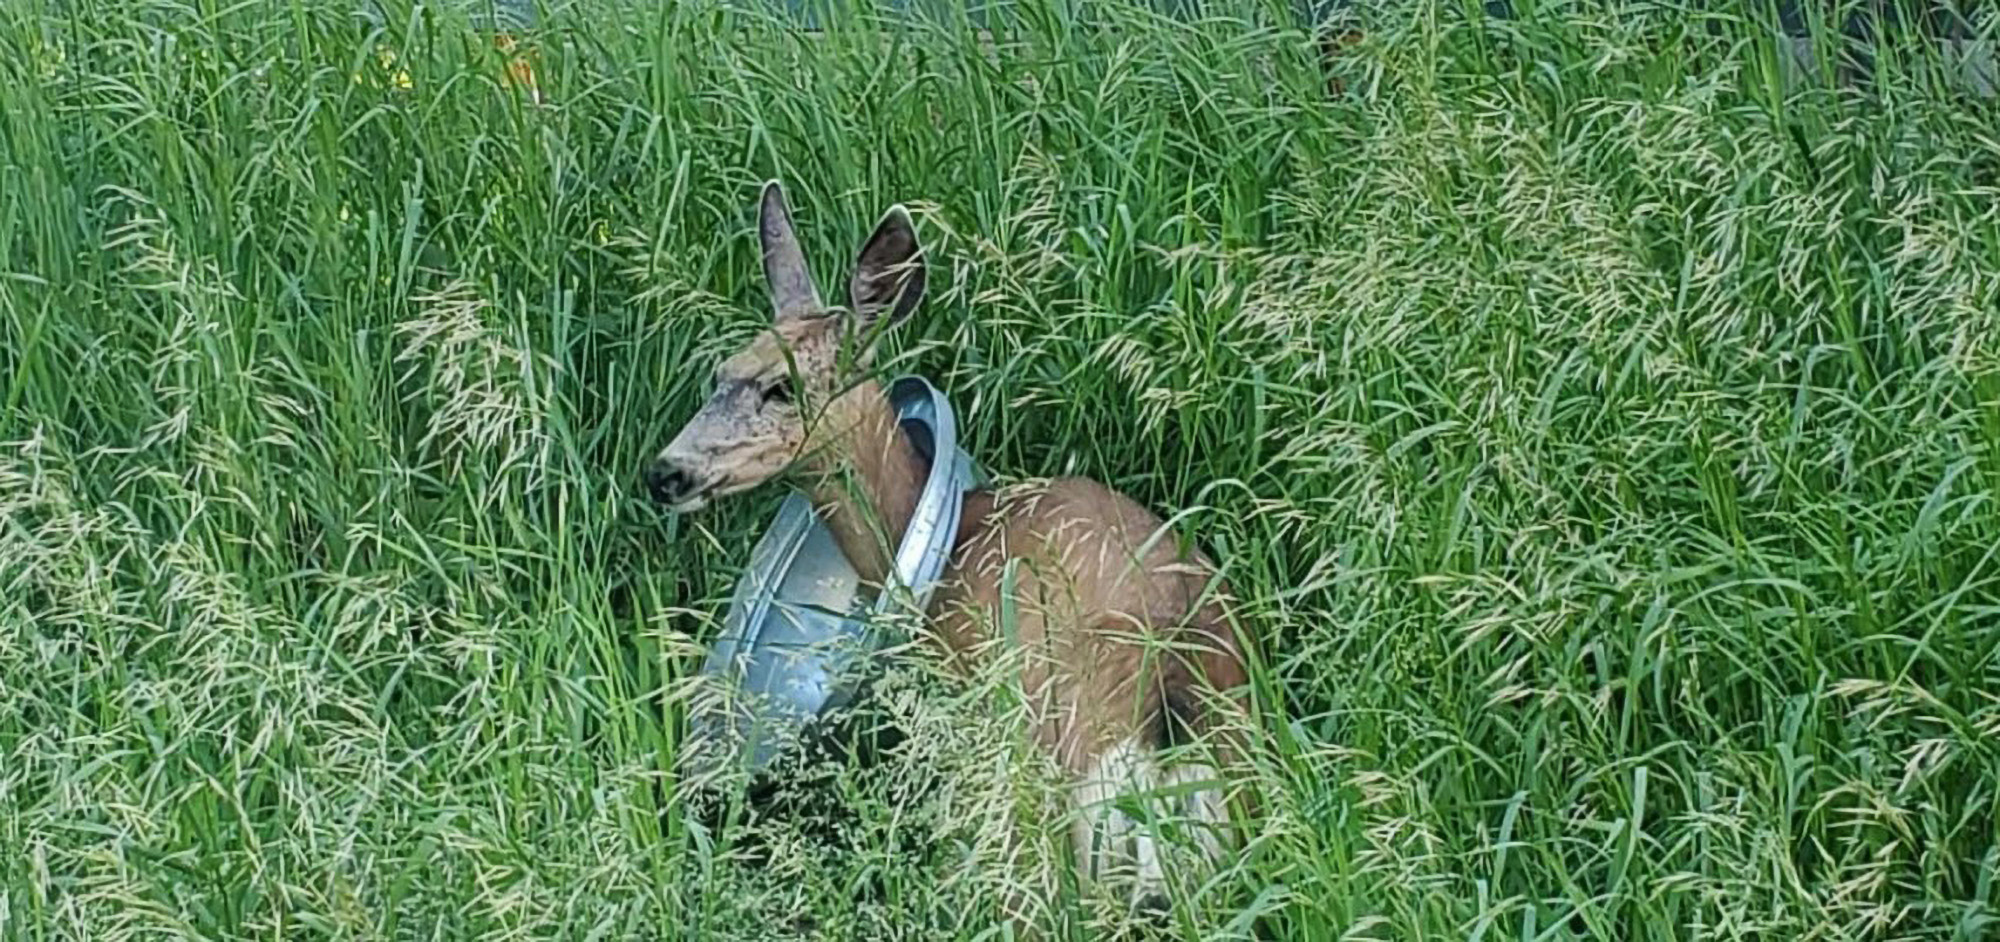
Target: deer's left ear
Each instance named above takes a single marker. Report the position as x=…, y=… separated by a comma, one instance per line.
x=889, y=275
x=785, y=271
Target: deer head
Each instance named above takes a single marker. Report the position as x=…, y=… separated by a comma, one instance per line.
x=777, y=399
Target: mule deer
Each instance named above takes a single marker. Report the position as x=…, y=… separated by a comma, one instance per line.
x=1094, y=576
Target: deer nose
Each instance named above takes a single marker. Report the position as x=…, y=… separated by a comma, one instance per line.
x=667, y=483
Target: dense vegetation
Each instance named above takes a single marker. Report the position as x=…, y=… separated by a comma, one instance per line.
x=1602, y=432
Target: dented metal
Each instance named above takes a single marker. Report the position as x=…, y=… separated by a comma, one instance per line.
x=797, y=640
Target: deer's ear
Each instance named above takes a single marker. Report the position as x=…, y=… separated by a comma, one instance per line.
x=785, y=271
x=889, y=275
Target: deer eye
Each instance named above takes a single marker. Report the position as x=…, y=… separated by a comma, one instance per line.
x=778, y=392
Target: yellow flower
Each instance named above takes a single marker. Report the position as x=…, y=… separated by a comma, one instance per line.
x=387, y=57
x=520, y=68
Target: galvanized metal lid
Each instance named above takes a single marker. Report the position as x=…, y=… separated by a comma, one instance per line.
x=798, y=636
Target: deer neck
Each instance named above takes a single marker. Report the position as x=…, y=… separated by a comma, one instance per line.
x=866, y=481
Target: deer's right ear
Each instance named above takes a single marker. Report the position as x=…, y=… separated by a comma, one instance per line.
x=889, y=275
x=785, y=271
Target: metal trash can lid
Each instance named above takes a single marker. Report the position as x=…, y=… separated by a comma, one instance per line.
x=797, y=637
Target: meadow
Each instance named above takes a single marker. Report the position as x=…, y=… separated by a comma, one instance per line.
x=1601, y=432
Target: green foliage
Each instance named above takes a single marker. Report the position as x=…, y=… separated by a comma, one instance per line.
x=1603, y=437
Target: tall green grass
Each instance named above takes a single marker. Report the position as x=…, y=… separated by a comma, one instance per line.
x=1603, y=435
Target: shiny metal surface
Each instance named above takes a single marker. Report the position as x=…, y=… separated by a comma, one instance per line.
x=797, y=638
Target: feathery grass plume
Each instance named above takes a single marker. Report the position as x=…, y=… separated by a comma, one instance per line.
x=480, y=384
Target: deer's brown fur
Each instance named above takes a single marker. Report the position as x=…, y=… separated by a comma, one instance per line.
x=1123, y=634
